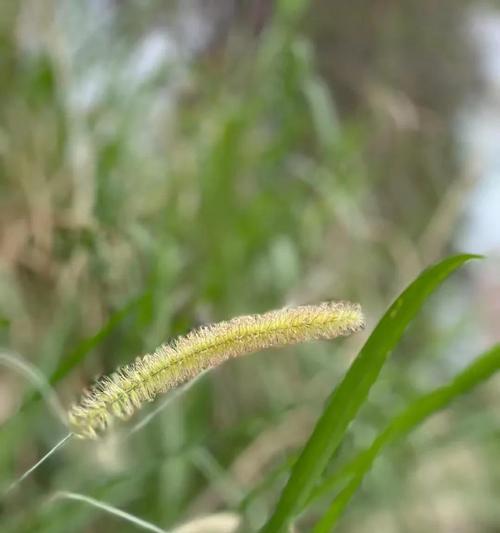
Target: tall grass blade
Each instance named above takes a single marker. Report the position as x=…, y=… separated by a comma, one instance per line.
x=348, y=397
x=423, y=407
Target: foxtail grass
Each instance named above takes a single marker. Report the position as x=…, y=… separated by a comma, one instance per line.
x=129, y=387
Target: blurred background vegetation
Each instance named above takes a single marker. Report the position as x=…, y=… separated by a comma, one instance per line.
x=166, y=164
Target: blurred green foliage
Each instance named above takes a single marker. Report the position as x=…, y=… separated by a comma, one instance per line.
x=310, y=160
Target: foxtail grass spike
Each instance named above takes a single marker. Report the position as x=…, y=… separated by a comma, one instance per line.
x=124, y=391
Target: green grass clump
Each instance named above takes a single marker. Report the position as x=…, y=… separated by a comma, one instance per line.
x=295, y=158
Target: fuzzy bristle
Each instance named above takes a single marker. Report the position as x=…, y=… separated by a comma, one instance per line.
x=124, y=391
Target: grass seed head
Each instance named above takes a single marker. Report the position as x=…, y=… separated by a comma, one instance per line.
x=127, y=389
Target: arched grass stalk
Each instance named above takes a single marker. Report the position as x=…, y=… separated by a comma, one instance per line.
x=36, y=378
x=143, y=524
x=124, y=391
x=33, y=374
x=222, y=522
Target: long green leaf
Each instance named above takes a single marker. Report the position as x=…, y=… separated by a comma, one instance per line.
x=84, y=347
x=78, y=354
x=348, y=397
x=420, y=409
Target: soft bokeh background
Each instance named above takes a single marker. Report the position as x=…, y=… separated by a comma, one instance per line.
x=165, y=164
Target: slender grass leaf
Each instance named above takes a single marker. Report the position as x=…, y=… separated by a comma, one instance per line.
x=420, y=409
x=81, y=350
x=84, y=347
x=348, y=397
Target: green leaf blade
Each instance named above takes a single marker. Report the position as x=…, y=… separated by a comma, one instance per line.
x=423, y=407
x=348, y=397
